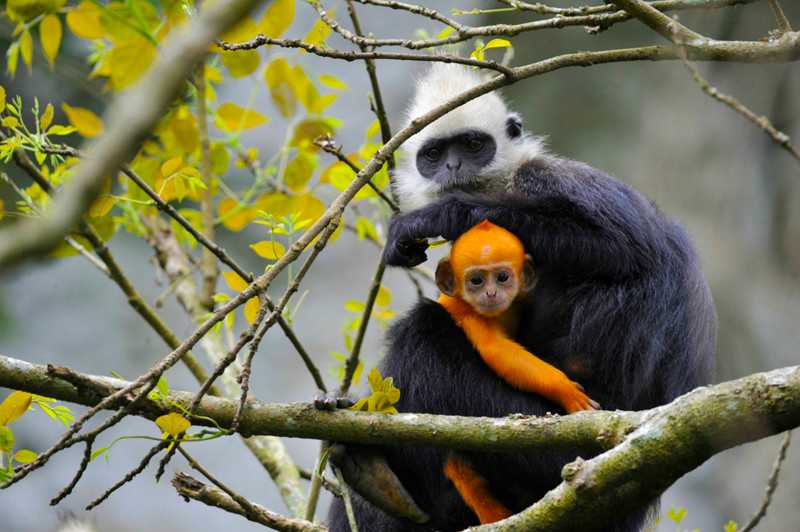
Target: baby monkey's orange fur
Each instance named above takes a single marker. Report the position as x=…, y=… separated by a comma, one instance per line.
x=482, y=283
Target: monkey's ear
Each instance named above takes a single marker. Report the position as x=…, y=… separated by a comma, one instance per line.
x=445, y=278
x=529, y=277
x=513, y=126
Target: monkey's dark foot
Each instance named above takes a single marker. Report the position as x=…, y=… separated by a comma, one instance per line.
x=366, y=471
x=331, y=401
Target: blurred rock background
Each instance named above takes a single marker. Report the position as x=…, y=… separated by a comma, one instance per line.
x=646, y=122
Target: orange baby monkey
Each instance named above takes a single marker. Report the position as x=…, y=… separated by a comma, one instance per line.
x=483, y=282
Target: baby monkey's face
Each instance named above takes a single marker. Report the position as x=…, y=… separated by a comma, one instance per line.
x=490, y=288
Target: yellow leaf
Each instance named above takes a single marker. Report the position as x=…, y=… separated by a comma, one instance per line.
x=86, y=122
x=212, y=74
x=219, y=158
x=10, y=122
x=242, y=31
x=170, y=167
x=319, y=32
x=173, y=424
x=339, y=167
x=26, y=48
x=384, y=297
x=128, y=60
x=25, y=457
x=103, y=203
x=373, y=129
x=2, y=208
x=270, y=250
x=2, y=99
x=235, y=118
x=184, y=127
x=25, y=10
x=298, y=172
x=241, y=63
x=47, y=118
x=14, y=406
x=251, y=309
x=50, y=34
x=235, y=281
x=84, y=21
x=236, y=221
x=321, y=103
x=354, y=306
x=123, y=24
x=497, y=43
x=309, y=130
x=101, y=206
x=277, y=74
x=277, y=18
x=332, y=82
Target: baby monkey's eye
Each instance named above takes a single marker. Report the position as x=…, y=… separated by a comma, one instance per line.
x=476, y=280
x=502, y=277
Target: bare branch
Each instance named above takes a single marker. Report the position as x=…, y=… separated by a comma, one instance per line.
x=772, y=484
x=783, y=22
x=658, y=21
x=190, y=488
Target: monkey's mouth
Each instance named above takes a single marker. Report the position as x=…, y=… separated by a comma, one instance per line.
x=467, y=184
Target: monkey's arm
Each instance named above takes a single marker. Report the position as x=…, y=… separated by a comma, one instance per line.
x=596, y=230
x=474, y=489
x=520, y=368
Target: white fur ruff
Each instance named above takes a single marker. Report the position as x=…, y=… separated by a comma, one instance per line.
x=488, y=113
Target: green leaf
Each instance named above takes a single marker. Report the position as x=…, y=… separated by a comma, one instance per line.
x=6, y=439
x=354, y=306
x=98, y=452
x=162, y=386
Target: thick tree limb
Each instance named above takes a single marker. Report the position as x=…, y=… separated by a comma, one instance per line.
x=669, y=442
x=685, y=432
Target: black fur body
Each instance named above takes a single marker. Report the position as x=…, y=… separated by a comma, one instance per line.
x=621, y=307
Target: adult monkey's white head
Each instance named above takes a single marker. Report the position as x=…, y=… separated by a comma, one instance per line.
x=473, y=148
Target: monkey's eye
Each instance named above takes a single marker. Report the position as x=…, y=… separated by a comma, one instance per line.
x=502, y=277
x=433, y=154
x=475, y=280
x=474, y=144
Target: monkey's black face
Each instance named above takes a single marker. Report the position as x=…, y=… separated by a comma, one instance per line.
x=457, y=159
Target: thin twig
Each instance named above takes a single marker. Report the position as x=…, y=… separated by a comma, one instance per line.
x=246, y=505
x=210, y=271
x=783, y=22
x=780, y=138
x=87, y=457
x=380, y=110
x=348, y=504
x=316, y=480
x=328, y=145
x=261, y=40
x=131, y=474
x=352, y=361
x=772, y=484
x=189, y=487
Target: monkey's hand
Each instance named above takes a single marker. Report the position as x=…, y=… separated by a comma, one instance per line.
x=401, y=248
x=574, y=399
x=331, y=401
